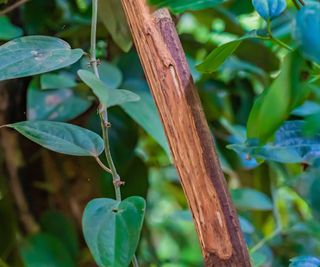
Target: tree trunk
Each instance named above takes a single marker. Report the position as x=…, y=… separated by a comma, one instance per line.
x=189, y=137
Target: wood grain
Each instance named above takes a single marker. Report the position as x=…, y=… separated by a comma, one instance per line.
x=189, y=137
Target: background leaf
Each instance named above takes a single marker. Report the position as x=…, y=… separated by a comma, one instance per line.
x=8, y=31
x=56, y=104
x=113, y=18
x=45, y=250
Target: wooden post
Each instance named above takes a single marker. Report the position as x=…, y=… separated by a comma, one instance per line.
x=189, y=137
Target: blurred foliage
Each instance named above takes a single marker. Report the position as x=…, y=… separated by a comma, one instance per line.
x=260, y=100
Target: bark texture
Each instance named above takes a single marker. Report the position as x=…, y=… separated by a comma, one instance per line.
x=189, y=137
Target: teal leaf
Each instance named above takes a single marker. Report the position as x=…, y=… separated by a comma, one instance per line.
x=178, y=6
x=55, y=104
x=112, y=229
x=107, y=96
x=8, y=31
x=61, y=137
x=249, y=199
x=269, y=9
x=110, y=75
x=45, y=250
x=220, y=54
x=56, y=81
x=277, y=102
x=307, y=30
x=96, y=85
x=30, y=55
x=145, y=113
x=305, y=261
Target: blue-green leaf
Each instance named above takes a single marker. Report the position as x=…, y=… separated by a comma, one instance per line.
x=112, y=229
x=145, y=113
x=32, y=55
x=45, y=250
x=107, y=96
x=56, y=81
x=54, y=105
x=61, y=137
x=290, y=146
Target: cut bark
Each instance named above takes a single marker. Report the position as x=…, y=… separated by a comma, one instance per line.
x=189, y=137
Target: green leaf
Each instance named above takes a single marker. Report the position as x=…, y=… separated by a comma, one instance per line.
x=145, y=113
x=54, y=222
x=45, y=250
x=56, y=81
x=113, y=18
x=220, y=54
x=54, y=105
x=276, y=103
x=107, y=96
x=178, y=6
x=305, y=261
x=32, y=55
x=61, y=137
x=8, y=31
x=112, y=229
x=249, y=199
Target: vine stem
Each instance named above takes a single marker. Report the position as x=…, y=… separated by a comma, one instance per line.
x=102, y=109
x=103, y=114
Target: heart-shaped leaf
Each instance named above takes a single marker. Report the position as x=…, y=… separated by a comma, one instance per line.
x=61, y=137
x=107, y=96
x=112, y=229
x=32, y=55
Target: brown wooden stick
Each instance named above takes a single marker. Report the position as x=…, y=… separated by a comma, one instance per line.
x=188, y=134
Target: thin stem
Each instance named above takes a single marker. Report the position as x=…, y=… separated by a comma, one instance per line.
x=116, y=178
x=276, y=40
x=265, y=240
x=104, y=167
x=103, y=113
x=93, y=59
x=296, y=4
x=13, y=7
x=135, y=262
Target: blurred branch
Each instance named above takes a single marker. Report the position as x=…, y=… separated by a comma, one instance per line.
x=13, y=7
